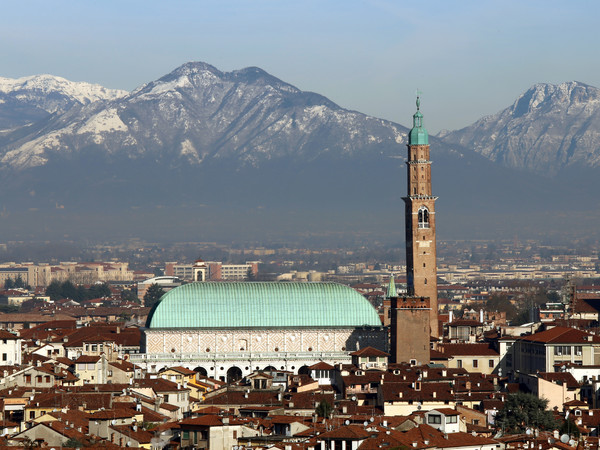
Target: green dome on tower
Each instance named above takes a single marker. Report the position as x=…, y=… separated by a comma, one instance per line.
x=418, y=134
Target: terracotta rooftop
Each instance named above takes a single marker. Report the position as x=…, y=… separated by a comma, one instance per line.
x=562, y=335
x=369, y=351
x=467, y=350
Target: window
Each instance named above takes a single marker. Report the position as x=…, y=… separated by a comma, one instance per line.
x=578, y=350
x=4, y=357
x=451, y=419
x=423, y=217
x=28, y=379
x=491, y=364
x=475, y=363
x=459, y=363
x=434, y=418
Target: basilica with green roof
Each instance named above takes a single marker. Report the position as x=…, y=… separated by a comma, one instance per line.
x=230, y=329
x=227, y=330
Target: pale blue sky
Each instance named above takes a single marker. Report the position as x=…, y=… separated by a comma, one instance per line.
x=470, y=58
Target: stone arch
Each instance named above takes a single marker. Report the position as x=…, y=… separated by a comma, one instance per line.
x=304, y=370
x=201, y=371
x=269, y=369
x=234, y=374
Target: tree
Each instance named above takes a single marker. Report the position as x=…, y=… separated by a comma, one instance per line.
x=522, y=411
x=54, y=291
x=19, y=283
x=129, y=295
x=99, y=290
x=153, y=295
x=569, y=427
x=73, y=443
x=9, y=283
x=324, y=409
x=68, y=290
x=500, y=302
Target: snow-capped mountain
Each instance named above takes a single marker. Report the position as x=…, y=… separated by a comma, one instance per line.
x=197, y=114
x=29, y=99
x=200, y=149
x=547, y=129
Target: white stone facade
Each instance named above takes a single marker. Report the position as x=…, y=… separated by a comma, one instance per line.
x=217, y=351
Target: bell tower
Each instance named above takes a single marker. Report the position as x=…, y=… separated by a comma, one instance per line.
x=421, y=266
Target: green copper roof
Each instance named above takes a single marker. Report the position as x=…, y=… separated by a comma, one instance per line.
x=249, y=305
x=418, y=135
x=391, y=290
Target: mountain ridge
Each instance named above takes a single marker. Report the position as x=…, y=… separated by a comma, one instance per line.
x=202, y=151
x=546, y=130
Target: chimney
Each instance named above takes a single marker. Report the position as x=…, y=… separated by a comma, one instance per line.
x=450, y=316
x=434, y=394
x=225, y=420
x=481, y=315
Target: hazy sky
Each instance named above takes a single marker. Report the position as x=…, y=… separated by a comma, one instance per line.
x=469, y=58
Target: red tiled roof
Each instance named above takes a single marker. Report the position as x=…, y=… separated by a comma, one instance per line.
x=369, y=351
x=561, y=335
x=321, y=365
x=182, y=370
x=467, y=350
x=87, y=359
x=562, y=378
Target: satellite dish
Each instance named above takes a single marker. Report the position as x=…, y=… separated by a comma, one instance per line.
x=365, y=423
x=347, y=422
x=113, y=422
x=419, y=407
x=473, y=434
x=372, y=419
x=572, y=442
x=564, y=438
x=528, y=432
x=354, y=398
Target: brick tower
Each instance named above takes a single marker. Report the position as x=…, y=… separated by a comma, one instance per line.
x=409, y=320
x=421, y=267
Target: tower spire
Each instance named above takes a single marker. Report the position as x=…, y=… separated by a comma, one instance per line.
x=391, y=290
x=418, y=134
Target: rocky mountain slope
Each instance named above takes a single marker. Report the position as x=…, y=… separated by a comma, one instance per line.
x=548, y=129
x=200, y=154
x=197, y=115
x=30, y=99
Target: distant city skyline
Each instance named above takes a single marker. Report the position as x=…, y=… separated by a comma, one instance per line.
x=469, y=58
